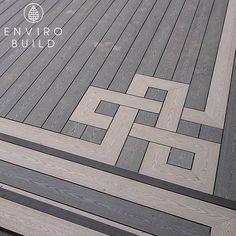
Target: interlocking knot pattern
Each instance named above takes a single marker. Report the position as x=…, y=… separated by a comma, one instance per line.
x=161, y=137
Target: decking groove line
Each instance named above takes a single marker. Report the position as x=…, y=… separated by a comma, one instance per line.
x=89, y=200
x=6, y=5
x=201, y=80
x=125, y=126
x=10, y=59
x=53, y=67
x=15, y=18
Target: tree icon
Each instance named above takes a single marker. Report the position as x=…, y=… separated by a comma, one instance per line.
x=33, y=14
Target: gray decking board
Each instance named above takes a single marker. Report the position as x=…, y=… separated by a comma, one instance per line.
x=112, y=208
x=132, y=154
x=35, y=69
x=93, y=134
x=211, y=134
x=146, y=118
x=156, y=94
x=170, y=57
x=64, y=214
x=129, y=66
x=107, y=108
x=5, y=44
x=188, y=58
x=158, y=44
x=114, y=60
x=26, y=77
x=199, y=87
x=83, y=79
x=75, y=31
x=12, y=64
x=7, y=9
x=181, y=158
x=16, y=19
x=74, y=129
x=226, y=174
x=107, y=14
x=188, y=128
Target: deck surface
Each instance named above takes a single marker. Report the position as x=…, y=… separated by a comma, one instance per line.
x=127, y=126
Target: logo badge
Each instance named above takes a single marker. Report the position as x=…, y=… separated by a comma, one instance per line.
x=33, y=13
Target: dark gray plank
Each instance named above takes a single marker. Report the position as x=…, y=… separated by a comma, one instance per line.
x=118, y=210
x=132, y=60
x=113, y=62
x=107, y=108
x=75, y=31
x=16, y=19
x=62, y=214
x=18, y=14
x=132, y=154
x=7, y=8
x=74, y=129
x=170, y=57
x=211, y=134
x=107, y=14
x=181, y=158
x=93, y=134
x=188, y=58
x=226, y=174
x=84, y=77
x=201, y=80
x=11, y=68
x=159, y=41
x=188, y=128
x=146, y=118
x=64, y=82
x=20, y=73
x=156, y=94
x=6, y=232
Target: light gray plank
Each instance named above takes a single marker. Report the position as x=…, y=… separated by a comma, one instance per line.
x=188, y=58
x=188, y=128
x=75, y=30
x=93, y=134
x=146, y=118
x=201, y=80
x=89, y=69
x=181, y=158
x=73, y=129
x=132, y=154
x=171, y=55
x=118, y=210
x=107, y=108
x=226, y=177
x=132, y=60
x=114, y=60
x=156, y=94
x=211, y=134
x=158, y=44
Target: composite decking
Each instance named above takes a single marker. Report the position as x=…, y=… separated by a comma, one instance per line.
x=126, y=126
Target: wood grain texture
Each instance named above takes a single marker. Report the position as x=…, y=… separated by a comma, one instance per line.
x=170, y=57
x=226, y=180
x=126, y=229
x=97, y=203
x=222, y=220
x=200, y=84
